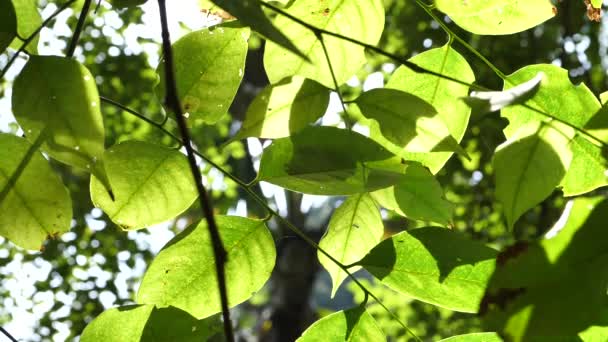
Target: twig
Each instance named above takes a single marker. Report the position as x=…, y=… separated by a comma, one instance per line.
x=172, y=101
x=33, y=35
x=79, y=26
x=6, y=333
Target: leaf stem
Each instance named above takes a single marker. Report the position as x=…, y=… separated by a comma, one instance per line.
x=79, y=26
x=29, y=39
x=172, y=101
x=333, y=77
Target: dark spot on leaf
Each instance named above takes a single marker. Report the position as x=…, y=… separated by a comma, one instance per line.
x=501, y=299
x=326, y=12
x=511, y=252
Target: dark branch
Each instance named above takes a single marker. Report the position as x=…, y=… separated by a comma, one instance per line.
x=79, y=26
x=173, y=104
x=6, y=333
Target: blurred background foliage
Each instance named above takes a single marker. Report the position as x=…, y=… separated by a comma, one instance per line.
x=53, y=294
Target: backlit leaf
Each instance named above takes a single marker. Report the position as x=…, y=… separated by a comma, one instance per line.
x=209, y=67
x=151, y=184
x=434, y=265
x=285, y=108
x=529, y=166
x=329, y=161
x=576, y=105
x=438, y=92
x=183, y=273
x=361, y=20
x=418, y=196
x=37, y=205
x=535, y=283
x=28, y=21
x=59, y=96
x=495, y=17
x=135, y=323
x=355, y=325
x=407, y=120
x=354, y=229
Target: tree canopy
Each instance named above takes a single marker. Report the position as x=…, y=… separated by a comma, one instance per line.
x=336, y=170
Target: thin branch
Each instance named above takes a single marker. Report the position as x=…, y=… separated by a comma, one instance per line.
x=172, y=101
x=415, y=67
x=6, y=333
x=29, y=39
x=79, y=26
x=142, y=117
x=248, y=189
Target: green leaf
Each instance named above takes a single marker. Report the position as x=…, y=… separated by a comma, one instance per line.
x=354, y=229
x=284, y=108
x=497, y=17
x=407, y=120
x=134, y=323
x=476, y=337
x=28, y=21
x=596, y=3
x=151, y=184
x=434, y=265
x=529, y=166
x=417, y=196
x=329, y=161
x=576, y=105
x=183, y=273
x=251, y=13
x=360, y=20
x=598, y=332
x=126, y=3
x=58, y=97
x=353, y=325
x=209, y=67
x=535, y=283
x=8, y=24
x=440, y=93
x=587, y=170
x=37, y=205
